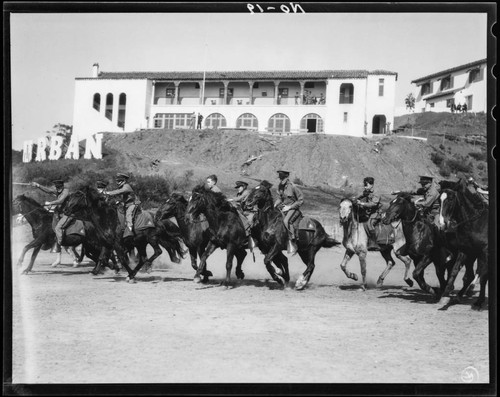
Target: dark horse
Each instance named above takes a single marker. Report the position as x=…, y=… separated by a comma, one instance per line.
x=424, y=242
x=40, y=220
x=105, y=218
x=465, y=216
x=195, y=234
x=355, y=241
x=271, y=235
x=225, y=227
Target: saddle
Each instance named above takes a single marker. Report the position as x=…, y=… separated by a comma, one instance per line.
x=380, y=234
x=141, y=220
x=75, y=226
x=301, y=222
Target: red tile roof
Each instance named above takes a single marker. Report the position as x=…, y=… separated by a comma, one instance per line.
x=448, y=71
x=244, y=75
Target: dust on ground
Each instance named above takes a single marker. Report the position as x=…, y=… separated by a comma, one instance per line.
x=72, y=327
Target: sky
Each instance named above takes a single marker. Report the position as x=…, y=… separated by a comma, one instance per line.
x=50, y=50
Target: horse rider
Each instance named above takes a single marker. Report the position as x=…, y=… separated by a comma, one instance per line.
x=212, y=184
x=129, y=198
x=246, y=216
x=482, y=190
x=59, y=220
x=370, y=204
x=430, y=202
x=290, y=199
x=101, y=186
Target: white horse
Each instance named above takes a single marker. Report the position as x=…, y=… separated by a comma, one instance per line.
x=355, y=241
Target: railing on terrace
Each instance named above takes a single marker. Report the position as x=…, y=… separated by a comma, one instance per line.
x=233, y=101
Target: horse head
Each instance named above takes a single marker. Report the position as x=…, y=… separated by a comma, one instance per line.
x=448, y=204
x=345, y=210
x=24, y=204
x=259, y=196
x=171, y=207
x=197, y=202
x=401, y=207
x=75, y=203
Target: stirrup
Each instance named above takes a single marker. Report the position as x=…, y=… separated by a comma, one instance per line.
x=56, y=249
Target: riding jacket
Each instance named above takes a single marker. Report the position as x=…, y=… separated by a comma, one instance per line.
x=431, y=198
x=370, y=202
x=240, y=199
x=128, y=195
x=61, y=196
x=289, y=194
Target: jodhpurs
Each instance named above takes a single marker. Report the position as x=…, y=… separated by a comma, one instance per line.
x=290, y=217
x=129, y=213
x=59, y=228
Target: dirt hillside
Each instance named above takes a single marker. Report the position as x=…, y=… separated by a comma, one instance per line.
x=314, y=160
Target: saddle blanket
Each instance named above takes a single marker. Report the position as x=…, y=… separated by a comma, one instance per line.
x=385, y=234
x=76, y=227
x=143, y=220
x=305, y=223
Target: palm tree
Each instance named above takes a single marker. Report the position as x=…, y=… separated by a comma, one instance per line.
x=410, y=102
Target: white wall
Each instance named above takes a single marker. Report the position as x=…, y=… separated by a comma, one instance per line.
x=88, y=121
x=460, y=80
x=380, y=105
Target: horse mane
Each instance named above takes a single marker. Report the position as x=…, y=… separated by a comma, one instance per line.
x=406, y=196
x=217, y=199
x=29, y=200
x=179, y=197
x=447, y=184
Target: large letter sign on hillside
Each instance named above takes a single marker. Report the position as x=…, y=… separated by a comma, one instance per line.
x=41, y=155
x=55, y=148
x=93, y=148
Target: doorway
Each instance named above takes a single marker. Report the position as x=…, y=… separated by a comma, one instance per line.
x=311, y=125
x=378, y=124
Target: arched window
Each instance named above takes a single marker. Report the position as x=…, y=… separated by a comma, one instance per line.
x=122, y=102
x=279, y=123
x=247, y=120
x=97, y=102
x=312, y=122
x=346, y=93
x=215, y=120
x=109, y=106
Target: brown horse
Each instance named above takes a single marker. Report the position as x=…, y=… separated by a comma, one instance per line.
x=465, y=215
x=271, y=235
x=355, y=241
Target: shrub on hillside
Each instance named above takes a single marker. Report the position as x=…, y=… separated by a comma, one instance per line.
x=151, y=190
x=478, y=156
x=437, y=158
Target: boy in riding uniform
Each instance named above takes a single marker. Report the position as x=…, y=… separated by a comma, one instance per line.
x=212, y=184
x=290, y=199
x=245, y=215
x=370, y=204
x=129, y=199
x=59, y=220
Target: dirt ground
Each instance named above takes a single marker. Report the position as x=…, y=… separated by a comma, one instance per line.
x=72, y=327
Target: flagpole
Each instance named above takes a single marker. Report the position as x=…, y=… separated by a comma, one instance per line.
x=204, y=76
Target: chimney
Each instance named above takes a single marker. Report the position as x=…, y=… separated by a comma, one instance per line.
x=95, y=70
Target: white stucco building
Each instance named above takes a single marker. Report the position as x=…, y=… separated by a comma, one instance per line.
x=348, y=102
x=458, y=85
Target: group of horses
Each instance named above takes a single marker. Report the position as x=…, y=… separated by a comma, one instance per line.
x=208, y=221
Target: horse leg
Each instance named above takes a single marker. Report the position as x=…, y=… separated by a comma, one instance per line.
x=229, y=264
x=418, y=274
x=72, y=252
x=385, y=251
x=203, y=261
x=468, y=278
x=206, y=273
x=156, y=254
x=57, y=262
x=268, y=259
x=34, y=254
x=407, y=261
x=308, y=258
x=33, y=244
x=482, y=265
x=445, y=297
x=240, y=257
x=362, y=265
x=281, y=263
x=343, y=265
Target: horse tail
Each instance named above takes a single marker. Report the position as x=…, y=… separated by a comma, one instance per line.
x=330, y=242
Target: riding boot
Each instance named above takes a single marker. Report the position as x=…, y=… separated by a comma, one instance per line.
x=292, y=247
x=372, y=245
x=56, y=249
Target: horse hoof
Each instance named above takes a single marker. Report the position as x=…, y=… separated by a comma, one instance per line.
x=354, y=276
x=197, y=280
x=300, y=283
x=444, y=301
x=132, y=281
x=240, y=275
x=409, y=281
x=75, y=263
x=205, y=280
x=363, y=287
x=380, y=282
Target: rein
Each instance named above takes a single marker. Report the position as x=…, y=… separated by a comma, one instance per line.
x=467, y=220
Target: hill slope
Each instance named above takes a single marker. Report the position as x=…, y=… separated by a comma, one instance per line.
x=326, y=161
